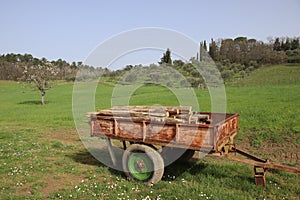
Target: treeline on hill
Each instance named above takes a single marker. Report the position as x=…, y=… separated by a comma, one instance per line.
x=12, y=67
x=235, y=58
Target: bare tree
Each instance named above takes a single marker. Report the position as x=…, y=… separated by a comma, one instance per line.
x=40, y=76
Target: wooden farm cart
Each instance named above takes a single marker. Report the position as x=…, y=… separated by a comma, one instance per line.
x=155, y=134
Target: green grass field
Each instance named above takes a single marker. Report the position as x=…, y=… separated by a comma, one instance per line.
x=42, y=157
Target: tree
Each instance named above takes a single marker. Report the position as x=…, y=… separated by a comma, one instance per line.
x=166, y=58
x=228, y=50
x=40, y=76
x=203, y=50
x=277, y=46
x=213, y=49
x=287, y=44
x=295, y=44
x=178, y=63
x=128, y=67
x=204, y=45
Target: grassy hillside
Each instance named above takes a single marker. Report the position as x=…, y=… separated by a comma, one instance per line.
x=41, y=155
x=271, y=75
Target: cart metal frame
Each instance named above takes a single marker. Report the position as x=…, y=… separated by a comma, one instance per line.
x=217, y=138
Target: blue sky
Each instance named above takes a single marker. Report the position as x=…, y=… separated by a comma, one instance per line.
x=72, y=29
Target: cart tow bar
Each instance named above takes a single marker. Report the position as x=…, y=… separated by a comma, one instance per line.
x=261, y=166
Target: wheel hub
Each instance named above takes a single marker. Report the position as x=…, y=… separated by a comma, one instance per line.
x=141, y=165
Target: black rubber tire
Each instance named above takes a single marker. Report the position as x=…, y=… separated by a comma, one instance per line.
x=153, y=156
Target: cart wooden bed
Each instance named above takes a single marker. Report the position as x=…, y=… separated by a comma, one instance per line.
x=153, y=131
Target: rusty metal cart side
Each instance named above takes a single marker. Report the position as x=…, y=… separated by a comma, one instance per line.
x=141, y=160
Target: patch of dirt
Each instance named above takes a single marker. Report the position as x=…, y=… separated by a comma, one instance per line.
x=65, y=136
x=58, y=181
x=55, y=181
x=51, y=183
x=286, y=151
x=25, y=189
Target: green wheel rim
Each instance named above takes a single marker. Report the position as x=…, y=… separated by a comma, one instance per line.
x=140, y=166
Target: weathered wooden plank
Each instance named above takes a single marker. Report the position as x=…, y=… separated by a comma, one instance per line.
x=130, y=113
x=191, y=135
x=175, y=110
x=161, y=132
x=163, y=125
x=148, y=110
x=132, y=119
